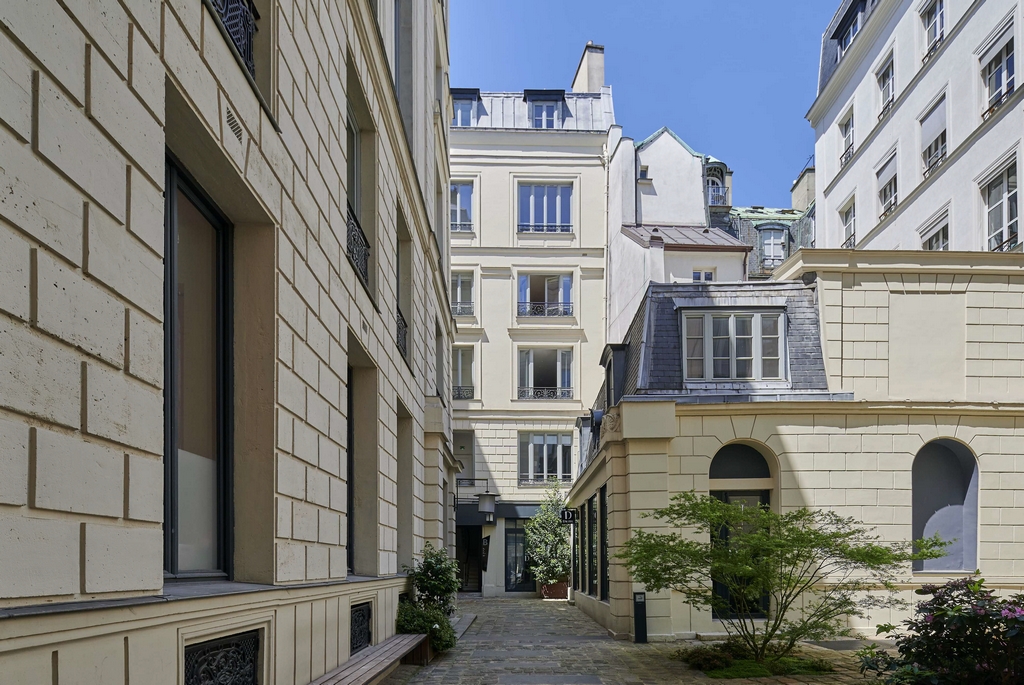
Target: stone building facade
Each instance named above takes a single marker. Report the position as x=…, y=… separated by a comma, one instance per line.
x=880, y=387
x=223, y=323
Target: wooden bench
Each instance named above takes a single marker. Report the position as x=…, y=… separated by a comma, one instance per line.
x=373, y=664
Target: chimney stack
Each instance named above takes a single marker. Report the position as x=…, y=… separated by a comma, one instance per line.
x=590, y=72
x=802, y=192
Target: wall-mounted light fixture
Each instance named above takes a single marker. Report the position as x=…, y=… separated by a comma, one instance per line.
x=485, y=505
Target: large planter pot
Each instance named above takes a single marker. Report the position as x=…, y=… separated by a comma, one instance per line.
x=555, y=591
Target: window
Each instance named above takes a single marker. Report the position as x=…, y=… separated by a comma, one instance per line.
x=937, y=241
x=846, y=129
x=848, y=34
x=849, y=219
x=705, y=276
x=773, y=246
x=592, y=545
x=545, y=208
x=887, y=190
x=545, y=114
x=742, y=346
x=944, y=485
x=543, y=295
x=463, y=112
x=604, y=542
x=461, y=206
x=887, y=86
x=197, y=464
x=462, y=373
x=545, y=456
x=934, y=26
x=545, y=374
x=644, y=173
x=462, y=294
x=718, y=194
x=358, y=244
x=352, y=162
x=998, y=76
x=517, y=574
x=933, y=137
x=1001, y=201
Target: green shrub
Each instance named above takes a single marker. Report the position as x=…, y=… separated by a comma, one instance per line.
x=435, y=579
x=426, y=620
x=548, y=554
x=706, y=658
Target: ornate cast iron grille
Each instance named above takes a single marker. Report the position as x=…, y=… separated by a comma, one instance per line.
x=545, y=228
x=402, y=333
x=847, y=156
x=526, y=393
x=358, y=248
x=545, y=309
x=231, y=660
x=462, y=392
x=462, y=309
x=239, y=18
x=362, y=635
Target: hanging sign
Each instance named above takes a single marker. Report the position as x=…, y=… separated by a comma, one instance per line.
x=568, y=515
x=486, y=550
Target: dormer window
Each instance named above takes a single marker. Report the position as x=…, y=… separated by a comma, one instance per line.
x=848, y=33
x=463, y=113
x=545, y=114
x=722, y=347
x=544, y=107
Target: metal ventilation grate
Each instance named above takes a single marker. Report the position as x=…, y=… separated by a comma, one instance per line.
x=233, y=124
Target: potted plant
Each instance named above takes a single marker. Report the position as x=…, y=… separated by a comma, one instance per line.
x=547, y=545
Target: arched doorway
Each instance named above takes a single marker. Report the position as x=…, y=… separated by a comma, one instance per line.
x=944, y=483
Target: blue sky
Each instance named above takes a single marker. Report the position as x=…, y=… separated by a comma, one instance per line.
x=733, y=78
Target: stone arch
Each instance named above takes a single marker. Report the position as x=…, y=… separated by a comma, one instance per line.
x=944, y=485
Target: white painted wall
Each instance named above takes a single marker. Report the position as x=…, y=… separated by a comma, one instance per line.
x=676, y=193
x=680, y=265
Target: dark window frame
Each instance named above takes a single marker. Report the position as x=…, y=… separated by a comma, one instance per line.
x=592, y=543
x=603, y=540
x=176, y=178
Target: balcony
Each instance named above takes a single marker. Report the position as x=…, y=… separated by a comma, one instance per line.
x=527, y=481
x=534, y=393
x=401, y=333
x=850, y=242
x=545, y=228
x=462, y=309
x=718, y=197
x=463, y=392
x=932, y=49
x=888, y=208
x=886, y=108
x=846, y=157
x=358, y=248
x=934, y=162
x=544, y=309
x=995, y=102
x=462, y=227
x=239, y=20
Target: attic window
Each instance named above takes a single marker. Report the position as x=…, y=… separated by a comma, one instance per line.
x=740, y=346
x=644, y=173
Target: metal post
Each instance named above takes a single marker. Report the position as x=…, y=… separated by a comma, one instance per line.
x=640, y=617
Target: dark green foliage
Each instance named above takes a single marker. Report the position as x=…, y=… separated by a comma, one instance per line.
x=963, y=634
x=435, y=579
x=731, y=659
x=817, y=569
x=704, y=657
x=426, y=620
x=547, y=539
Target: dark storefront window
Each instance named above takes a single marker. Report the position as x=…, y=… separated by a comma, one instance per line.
x=592, y=545
x=604, y=542
x=517, y=578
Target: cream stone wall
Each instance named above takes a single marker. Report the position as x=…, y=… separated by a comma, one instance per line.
x=93, y=96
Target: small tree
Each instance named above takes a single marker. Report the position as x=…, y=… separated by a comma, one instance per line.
x=547, y=539
x=435, y=579
x=814, y=568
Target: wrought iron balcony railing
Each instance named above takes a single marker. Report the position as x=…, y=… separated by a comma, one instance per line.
x=997, y=101
x=462, y=309
x=401, y=333
x=934, y=162
x=545, y=228
x=718, y=197
x=888, y=208
x=886, y=108
x=850, y=242
x=531, y=393
x=462, y=227
x=463, y=392
x=358, y=248
x=846, y=157
x=1011, y=244
x=239, y=19
x=526, y=480
x=932, y=49
x=544, y=309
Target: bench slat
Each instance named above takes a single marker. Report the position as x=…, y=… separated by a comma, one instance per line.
x=372, y=662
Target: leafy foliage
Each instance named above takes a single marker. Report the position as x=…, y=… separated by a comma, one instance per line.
x=815, y=567
x=704, y=657
x=435, y=579
x=963, y=634
x=547, y=539
x=428, y=620
x=731, y=659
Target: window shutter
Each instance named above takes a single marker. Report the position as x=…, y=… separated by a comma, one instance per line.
x=933, y=124
x=997, y=45
x=887, y=172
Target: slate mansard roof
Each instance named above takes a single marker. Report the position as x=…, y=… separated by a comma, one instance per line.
x=829, y=40
x=653, y=342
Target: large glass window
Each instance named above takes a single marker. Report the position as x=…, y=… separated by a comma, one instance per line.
x=1001, y=200
x=198, y=382
x=543, y=456
x=934, y=24
x=545, y=295
x=999, y=76
x=742, y=347
x=604, y=543
x=933, y=137
x=772, y=246
x=461, y=206
x=887, y=85
x=545, y=374
x=592, y=545
x=462, y=294
x=846, y=130
x=937, y=241
x=849, y=219
x=887, y=189
x=545, y=208
x=462, y=373
x=517, y=575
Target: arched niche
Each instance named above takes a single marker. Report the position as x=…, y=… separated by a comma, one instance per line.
x=944, y=483
x=742, y=473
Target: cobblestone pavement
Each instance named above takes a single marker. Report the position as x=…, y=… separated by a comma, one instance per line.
x=536, y=642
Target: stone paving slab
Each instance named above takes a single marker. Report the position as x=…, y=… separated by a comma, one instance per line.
x=538, y=642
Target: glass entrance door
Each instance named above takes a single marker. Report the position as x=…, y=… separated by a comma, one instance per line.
x=517, y=578
x=747, y=498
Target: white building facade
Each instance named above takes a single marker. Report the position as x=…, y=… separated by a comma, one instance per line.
x=528, y=220
x=918, y=126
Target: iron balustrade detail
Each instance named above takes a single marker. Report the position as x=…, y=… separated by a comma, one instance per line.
x=358, y=248
x=850, y=242
x=847, y=156
x=889, y=208
x=361, y=627
x=545, y=228
x=239, y=19
x=718, y=197
x=462, y=227
x=1011, y=244
x=886, y=108
x=932, y=49
x=462, y=309
x=544, y=309
x=401, y=333
x=531, y=393
x=231, y=660
x=997, y=103
x=934, y=162
x=525, y=480
x=463, y=392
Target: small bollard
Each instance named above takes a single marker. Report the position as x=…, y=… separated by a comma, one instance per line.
x=640, y=617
